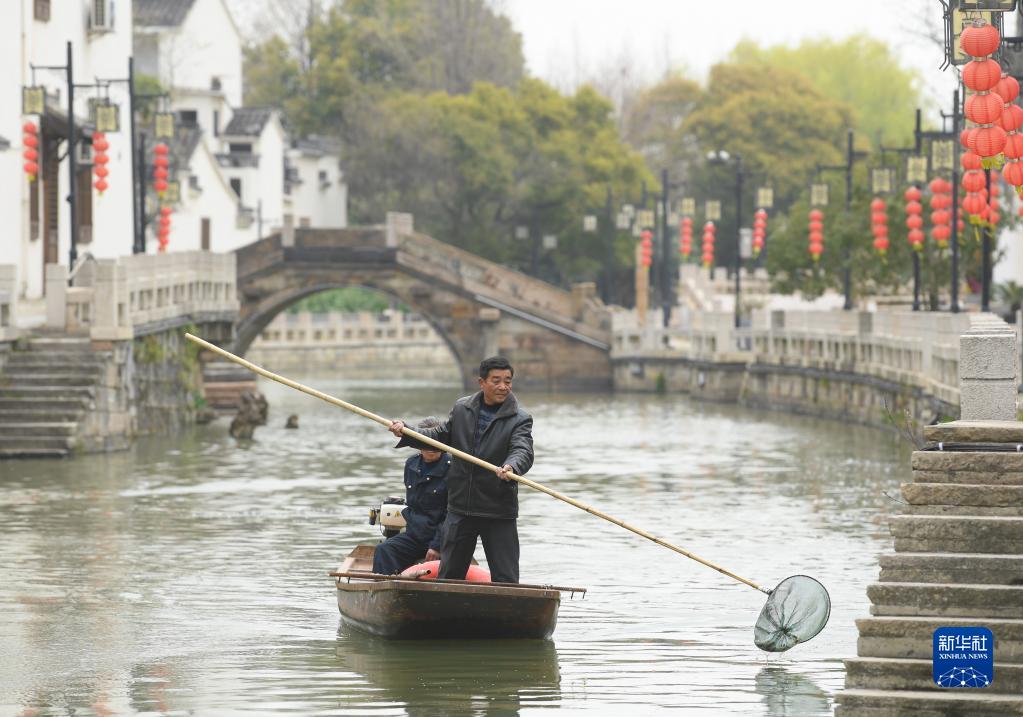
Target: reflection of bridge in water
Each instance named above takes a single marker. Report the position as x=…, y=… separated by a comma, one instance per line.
x=556, y=339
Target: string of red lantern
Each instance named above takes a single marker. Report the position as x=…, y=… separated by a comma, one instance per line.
x=816, y=237
x=941, y=216
x=30, y=140
x=1011, y=121
x=163, y=233
x=759, y=231
x=160, y=164
x=980, y=40
x=685, y=240
x=879, y=224
x=646, y=248
x=100, y=145
x=708, y=244
x=914, y=218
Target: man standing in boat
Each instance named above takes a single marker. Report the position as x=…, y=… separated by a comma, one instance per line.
x=426, y=505
x=489, y=425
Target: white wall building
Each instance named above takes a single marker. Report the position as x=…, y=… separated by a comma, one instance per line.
x=37, y=215
x=238, y=170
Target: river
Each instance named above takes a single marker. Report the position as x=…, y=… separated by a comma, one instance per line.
x=189, y=574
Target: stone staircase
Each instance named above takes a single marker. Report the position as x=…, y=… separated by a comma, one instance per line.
x=45, y=391
x=958, y=561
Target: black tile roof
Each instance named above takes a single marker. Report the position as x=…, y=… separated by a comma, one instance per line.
x=248, y=121
x=160, y=13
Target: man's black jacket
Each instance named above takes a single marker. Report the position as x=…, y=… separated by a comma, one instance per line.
x=508, y=440
x=426, y=499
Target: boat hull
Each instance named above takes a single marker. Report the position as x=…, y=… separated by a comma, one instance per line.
x=421, y=610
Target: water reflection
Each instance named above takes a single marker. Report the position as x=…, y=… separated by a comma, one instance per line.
x=788, y=694
x=189, y=574
x=475, y=678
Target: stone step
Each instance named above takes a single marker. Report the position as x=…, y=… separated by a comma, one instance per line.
x=51, y=392
x=913, y=637
x=946, y=600
x=12, y=416
x=10, y=378
x=963, y=494
x=60, y=343
x=947, y=702
x=30, y=403
x=968, y=569
x=26, y=363
x=890, y=673
x=957, y=534
x=39, y=429
x=955, y=510
x=9, y=442
x=976, y=467
x=30, y=452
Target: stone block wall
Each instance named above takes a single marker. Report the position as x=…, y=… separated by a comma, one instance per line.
x=958, y=552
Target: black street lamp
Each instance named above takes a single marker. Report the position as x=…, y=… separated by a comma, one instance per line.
x=722, y=156
x=850, y=157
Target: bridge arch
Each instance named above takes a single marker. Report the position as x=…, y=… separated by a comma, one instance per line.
x=557, y=340
x=250, y=327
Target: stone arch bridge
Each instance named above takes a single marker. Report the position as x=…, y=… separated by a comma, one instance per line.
x=557, y=340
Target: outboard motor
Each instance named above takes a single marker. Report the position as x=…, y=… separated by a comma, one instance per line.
x=388, y=516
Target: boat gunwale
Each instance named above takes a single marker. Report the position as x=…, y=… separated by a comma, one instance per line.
x=346, y=584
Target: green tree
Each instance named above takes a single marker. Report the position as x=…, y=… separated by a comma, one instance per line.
x=860, y=71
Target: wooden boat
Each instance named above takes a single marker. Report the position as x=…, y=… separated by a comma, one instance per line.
x=407, y=608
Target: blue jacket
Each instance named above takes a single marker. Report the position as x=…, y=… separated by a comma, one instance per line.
x=426, y=498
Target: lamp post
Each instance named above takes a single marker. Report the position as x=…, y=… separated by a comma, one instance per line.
x=722, y=156
x=850, y=157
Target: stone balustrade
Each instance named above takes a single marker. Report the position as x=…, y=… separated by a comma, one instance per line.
x=916, y=349
x=118, y=299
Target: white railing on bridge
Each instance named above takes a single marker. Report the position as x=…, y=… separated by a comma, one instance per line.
x=116, y=299
x=919, y=349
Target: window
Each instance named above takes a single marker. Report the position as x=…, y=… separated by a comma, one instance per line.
x=189, y=117
x=240, y=147
x=216, y=123
x=215, y=84
x=42, y=10
x=204, y=233
x=236, y=185
x=303, y=222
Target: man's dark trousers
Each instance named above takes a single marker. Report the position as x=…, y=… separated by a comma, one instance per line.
x=500, y=543
x=397, y=553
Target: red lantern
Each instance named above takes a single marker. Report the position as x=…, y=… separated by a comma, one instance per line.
x=160, y=148
x=646, y=247
x=30, y=140
x=984, y=108
x=970, y=160
x=982, y=75
x=1013, y=172
x=979, y=38
x=913, y=194
x=1011, y=118
x=1007, y=88
x=708, y=244
x=974, y=203
x=964, y=137
x=100, y=145
x=988, y=141
x=974, y=181
x=916, y=238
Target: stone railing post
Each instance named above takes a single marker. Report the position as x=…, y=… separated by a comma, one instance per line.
x=988, y=381
x=398, y=224
x=8, y=297
x=56, y=296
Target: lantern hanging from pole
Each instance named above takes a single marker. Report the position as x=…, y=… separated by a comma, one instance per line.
x=160, y=173
x=708, y=245
x=816, y=234
x=30, y=140
x=759, y=231
x=685, y=241
x=914, y=218
x=941, y=217
x=646, y=248
x=163, y=233
x=879, y=224
x=100, y=159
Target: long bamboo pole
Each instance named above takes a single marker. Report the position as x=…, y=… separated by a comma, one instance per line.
x=465, y=457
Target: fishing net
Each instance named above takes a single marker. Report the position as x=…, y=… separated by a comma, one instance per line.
x=796, y=610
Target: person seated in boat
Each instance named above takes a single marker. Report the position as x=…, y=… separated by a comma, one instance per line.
x=490, y=425
x=426, y=505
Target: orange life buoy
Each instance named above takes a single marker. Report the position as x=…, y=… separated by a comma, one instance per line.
x=429, y=570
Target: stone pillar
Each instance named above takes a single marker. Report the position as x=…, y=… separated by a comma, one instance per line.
x=8, y=299
x=56, y=296
x=398, y=224
x=987, y=370
x=288, y=230
x=958, y=558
